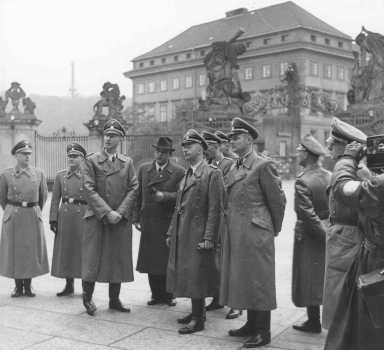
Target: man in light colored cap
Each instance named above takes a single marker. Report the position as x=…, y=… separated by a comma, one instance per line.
x=311, y=207
x=193, y=233
x=110, y=186
x=344, y=237
x=23, y=193
x=255, y=211
x=66, y=219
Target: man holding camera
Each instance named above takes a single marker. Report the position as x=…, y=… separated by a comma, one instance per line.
x=358, y=322
x=343, y=236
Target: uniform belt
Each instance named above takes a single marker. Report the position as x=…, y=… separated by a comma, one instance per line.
x=73, y=200
x=23, y=204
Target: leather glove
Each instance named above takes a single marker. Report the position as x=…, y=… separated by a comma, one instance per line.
x=205, y=245
x=137, y=225
x=53, y=226
x=168, y=242
x=354, y=150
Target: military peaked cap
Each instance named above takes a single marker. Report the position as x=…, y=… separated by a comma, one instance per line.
x=192, y=136
x=113, y=126
x=210, y=138
x=311, y=145
x=222, y=136
x=23, y=146
x=240, y=126
x=76, y=149
x=344, y=132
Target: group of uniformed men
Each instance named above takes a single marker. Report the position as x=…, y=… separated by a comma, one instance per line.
x=206, y=231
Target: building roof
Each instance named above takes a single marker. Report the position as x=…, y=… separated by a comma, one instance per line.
x=280, y=17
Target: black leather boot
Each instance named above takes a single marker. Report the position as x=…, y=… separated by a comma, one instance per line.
x=312, y=325
x=68, y=289
x=214, y=305
x=247, y=329
x=18, y=291
x=88, y=288
x=261, y=333
x=28, y=288
x=114, y=301
x=198, y=317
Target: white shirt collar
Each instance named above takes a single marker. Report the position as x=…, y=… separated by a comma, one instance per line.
x=160, y=167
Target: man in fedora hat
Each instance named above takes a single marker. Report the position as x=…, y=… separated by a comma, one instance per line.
x=311, y=207
x=156, y=198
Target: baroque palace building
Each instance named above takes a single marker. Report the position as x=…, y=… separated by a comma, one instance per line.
x=173, y=73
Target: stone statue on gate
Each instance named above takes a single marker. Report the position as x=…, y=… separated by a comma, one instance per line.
x=29, y=106
x=368, y=74
x=222, y=70
x=111, y=99
x=15, y=93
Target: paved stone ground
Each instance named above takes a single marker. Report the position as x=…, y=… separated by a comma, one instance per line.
x=47, y=322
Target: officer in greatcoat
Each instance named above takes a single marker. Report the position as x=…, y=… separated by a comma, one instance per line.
x=225, y=145
x=311, y=207
x=23, y=192
x=156, y=198
x=66, y=219
x=255, y=211
x=214, y=155
x=110, y=186
x=343, y=236
x=192, y=270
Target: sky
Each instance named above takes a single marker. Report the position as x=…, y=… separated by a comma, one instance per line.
x=40, y=38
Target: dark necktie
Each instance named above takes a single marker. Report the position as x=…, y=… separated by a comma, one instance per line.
x=239, y=162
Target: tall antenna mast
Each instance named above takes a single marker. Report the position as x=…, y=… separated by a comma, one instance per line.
x=72, y=89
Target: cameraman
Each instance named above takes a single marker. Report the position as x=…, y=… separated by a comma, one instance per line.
x=359, y=318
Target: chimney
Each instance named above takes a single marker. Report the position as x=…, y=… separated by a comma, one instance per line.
x=236, y=12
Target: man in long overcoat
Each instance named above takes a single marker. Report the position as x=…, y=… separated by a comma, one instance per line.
x=66, y=219
x=158, y=184
x=311, y=207
x=343, y=236
x=110, y=185
x=192, y=270
x=255, y=212
x=23, y=192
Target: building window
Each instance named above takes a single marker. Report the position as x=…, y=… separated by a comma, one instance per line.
x=152, y=62
x=313, y=38
x=202, y=53
x=267, y=41
x=328, y=71
x=188, y=55
x=314, y=70
x=163, y=60
x=284, y=37
x=266, y=71
x=141, y=64
x=151, y=86
x=340, y=44
x=248, y=73
x=327, y=41
x=140, y=88
x=340, y=73
x=163, y=85
x=283, y=67
x=188, y=81
x=176, y=58
x=163, y=112
x=201, y=79
x=175, y=83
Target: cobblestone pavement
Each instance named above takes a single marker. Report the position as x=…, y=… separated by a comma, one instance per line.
x=47, y=322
